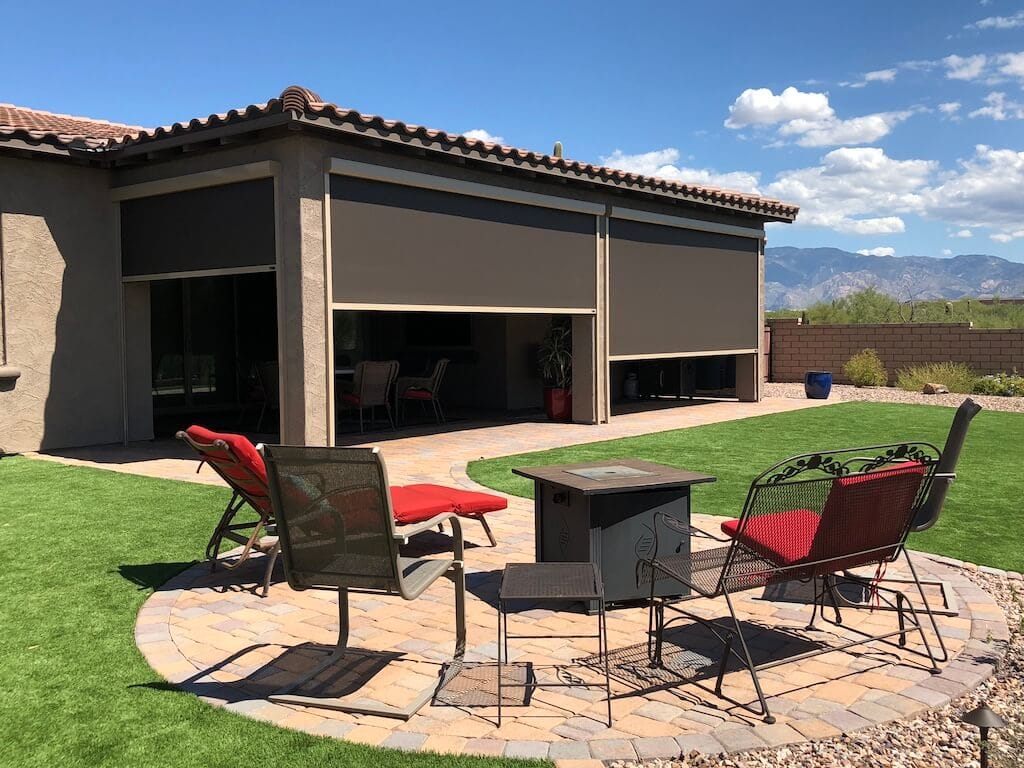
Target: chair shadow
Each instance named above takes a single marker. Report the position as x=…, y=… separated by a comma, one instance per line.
x=692, y=654
x=343, y=679
x=152, y=575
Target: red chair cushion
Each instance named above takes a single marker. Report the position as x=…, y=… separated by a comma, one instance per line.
x=247, y=474
x=418, y=394
x=783, y=538
x=863, y=513
x=413, y=506
x=350, y=397
x=465, y=503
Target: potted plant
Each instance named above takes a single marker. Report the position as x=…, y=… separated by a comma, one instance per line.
x=555, y=358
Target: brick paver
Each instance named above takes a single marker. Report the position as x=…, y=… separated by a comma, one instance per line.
x=211, y=634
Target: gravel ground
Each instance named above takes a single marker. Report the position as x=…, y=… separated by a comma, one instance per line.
x=847, y=392
x=935, y=739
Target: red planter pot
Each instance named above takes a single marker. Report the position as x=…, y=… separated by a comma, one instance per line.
x=558, y=403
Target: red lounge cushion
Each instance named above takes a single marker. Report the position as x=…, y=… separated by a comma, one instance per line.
x=413, y=506
x=784, y=538
x=350, y=397
x=466, y=503
x=249, y=473
x=418, y=394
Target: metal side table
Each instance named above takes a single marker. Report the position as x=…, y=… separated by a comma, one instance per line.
x=540, y=583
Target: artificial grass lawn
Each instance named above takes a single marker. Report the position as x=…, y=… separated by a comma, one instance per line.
x=80, y=550
x=983, y=516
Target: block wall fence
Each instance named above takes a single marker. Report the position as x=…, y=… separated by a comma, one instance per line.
x=793, y=348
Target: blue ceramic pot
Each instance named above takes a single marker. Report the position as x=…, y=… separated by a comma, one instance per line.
x=818, y=384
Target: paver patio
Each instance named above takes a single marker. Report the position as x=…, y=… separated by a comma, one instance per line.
x=210, y=634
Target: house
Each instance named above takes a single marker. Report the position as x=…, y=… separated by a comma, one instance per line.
x=143, y=272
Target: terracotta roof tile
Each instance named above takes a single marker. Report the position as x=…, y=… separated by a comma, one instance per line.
x=101, y=136
x=41, y=125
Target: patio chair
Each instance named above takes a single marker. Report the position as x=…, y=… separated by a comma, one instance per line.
x=370, y=387
x=807, y=518
x=423, y=389
x=337, y=532
x=237, y=462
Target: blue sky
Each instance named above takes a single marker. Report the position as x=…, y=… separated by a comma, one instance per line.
x=895, y=125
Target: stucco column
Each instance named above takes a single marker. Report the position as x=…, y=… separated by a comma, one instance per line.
x=302, y=314
x=584, y=369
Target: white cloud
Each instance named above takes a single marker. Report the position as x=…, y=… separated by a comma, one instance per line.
x=856, y=130
x=664, y=164
x=965, y=67
x=880, y=251
x=963, y=234
x=479, y=134
x=877, y=76
x=998, y=107
x=808, y=119
x=984, y=193
x=759, y=106
x=950, y=107
x=881, y=76
x=947, y=252
x=855, y=190
x=1012, y=64
x=999, y=22
x=1005, y=237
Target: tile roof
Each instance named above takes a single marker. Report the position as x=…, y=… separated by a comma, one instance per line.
x=51, y=127
x=101, y=136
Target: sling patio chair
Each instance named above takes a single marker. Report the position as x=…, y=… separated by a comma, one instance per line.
x=807, y=518
x=236, y=460
x=370, y=387
x=337, y=532
x=423, y=389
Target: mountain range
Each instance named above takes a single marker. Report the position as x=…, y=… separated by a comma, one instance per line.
x=795, y=278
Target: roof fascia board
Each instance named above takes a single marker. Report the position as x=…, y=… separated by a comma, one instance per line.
x=646, y=217
x=41, y=148
x=377, y=134
x=261, y=169
x=245, y=125
x=458, y=186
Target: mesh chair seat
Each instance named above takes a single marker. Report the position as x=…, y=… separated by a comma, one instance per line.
x=703, y=571
x=336, y=523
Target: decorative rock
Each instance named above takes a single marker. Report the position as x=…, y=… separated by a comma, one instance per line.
x=935, y=389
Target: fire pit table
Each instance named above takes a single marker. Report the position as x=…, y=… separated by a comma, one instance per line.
x=603, y=512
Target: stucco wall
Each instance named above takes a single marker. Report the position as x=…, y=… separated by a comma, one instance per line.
x=61, y=302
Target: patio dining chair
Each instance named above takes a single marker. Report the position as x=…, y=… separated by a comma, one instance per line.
x=337, y=532
x=422, y=389
x=236, y=460
x=808, y=518
x=370, y=387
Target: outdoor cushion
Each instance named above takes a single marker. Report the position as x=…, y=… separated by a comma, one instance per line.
x=863, y=513
x=413, y=506
x=418, y=394
x=783, y=538
x=246, y=454
x=465, y=503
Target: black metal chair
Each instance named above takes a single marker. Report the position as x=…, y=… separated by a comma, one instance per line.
x=337, y=531
x=808, y=518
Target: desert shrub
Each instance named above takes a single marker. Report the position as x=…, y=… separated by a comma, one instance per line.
x=956, y=377
x=865, y=369
x=1002, y=384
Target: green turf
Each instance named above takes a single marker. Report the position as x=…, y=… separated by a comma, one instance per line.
x=80, y=550
x=983, y=516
